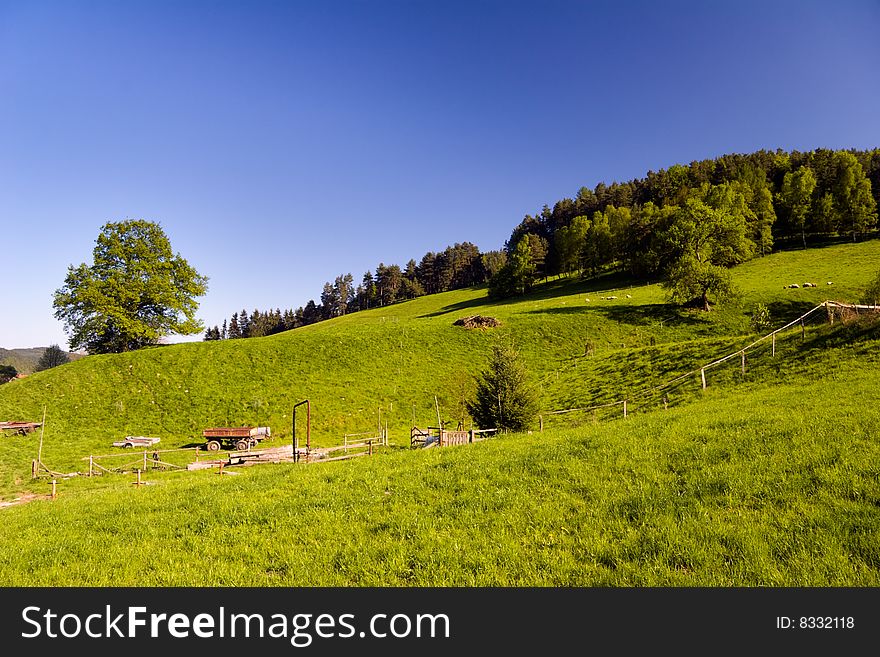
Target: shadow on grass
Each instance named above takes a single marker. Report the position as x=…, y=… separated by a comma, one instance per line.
x=634, y=315
x=782, y=312
x=860, y=329
x=548, y=290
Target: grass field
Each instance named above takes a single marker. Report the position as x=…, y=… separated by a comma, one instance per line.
x=767, y=478
x=733, y=489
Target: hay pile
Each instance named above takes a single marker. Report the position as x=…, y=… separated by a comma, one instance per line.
x=477, y=321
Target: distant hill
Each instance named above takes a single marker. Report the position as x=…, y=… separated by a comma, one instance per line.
x=25, y=360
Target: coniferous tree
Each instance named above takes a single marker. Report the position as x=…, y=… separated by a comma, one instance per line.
x=311, y=313
x=234, y=327
x=505, y=397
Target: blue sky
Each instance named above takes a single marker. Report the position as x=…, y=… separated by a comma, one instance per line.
x=280, y=144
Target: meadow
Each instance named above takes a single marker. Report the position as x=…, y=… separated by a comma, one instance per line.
x=766, y=478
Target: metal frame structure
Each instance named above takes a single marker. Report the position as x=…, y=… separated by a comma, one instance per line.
x=308, y=404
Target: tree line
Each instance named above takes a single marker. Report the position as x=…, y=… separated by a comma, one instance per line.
x=687, y=225
x=458, y=266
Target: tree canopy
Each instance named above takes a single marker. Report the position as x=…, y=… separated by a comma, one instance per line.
x=136, y=291
x=708, y=235
x=53, y=356
x=7, y=373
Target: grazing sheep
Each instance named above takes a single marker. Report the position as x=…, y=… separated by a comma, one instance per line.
x=611, y=297
x=587, y=300
x=794, y=286
x=829, y=283
x=629, y=296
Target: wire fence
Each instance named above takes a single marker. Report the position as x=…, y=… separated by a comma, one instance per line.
x=652, y=395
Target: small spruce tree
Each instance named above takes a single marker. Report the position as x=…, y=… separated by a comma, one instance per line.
x=505, y=398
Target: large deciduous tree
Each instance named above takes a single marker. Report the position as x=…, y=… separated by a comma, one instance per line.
x=796, y=197
x=856, y=207
x=517, y=276
x=136, y=291
x=53, y=356
x=707, y=236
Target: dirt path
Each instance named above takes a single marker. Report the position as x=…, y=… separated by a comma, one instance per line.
x=23, y=499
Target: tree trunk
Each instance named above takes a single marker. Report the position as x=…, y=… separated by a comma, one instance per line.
x=706, y=302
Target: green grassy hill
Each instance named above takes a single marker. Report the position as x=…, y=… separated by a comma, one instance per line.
x=737, y=484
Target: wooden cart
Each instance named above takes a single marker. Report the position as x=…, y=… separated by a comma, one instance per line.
x=240, y=438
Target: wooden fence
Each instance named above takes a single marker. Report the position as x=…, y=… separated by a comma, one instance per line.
x=443, y=437
x=833, y=309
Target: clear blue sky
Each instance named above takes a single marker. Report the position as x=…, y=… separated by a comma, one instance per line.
x=280, y=144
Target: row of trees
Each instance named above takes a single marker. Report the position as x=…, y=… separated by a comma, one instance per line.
x=458, y=266
x=689, y=224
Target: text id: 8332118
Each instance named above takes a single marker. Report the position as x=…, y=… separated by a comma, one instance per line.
x=815, y=622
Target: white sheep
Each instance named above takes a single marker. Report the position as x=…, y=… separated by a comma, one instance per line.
x=829, y=283
x=629, y=296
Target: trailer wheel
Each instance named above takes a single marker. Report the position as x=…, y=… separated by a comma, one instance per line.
x=213, y=446
x=242, y=445
x=128, y=446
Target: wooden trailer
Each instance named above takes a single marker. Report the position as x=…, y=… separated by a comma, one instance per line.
x=240, y=438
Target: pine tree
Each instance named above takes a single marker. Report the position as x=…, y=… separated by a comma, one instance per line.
x=505, y=398
x=244, y=325
x=234, y=327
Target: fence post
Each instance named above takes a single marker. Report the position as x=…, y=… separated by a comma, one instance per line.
x=471, y=436
x=773, y=352
x=34, y=469
x=91, y=464
x=804, y=331
x=54, y=489
x=145, y=461
x=744, y=363
x=703, y=377
x=541, y=422
x=624, y=408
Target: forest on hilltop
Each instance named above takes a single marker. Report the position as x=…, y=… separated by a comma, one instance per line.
x=773, y=197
